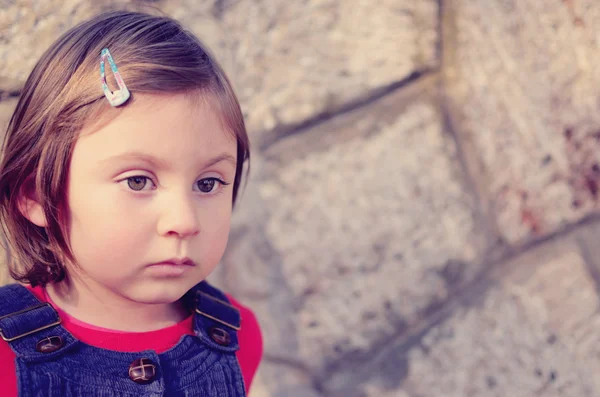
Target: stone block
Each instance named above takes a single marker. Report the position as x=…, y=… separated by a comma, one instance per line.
x=363, y=225
x=524, y=92
x=293, y=61
x=27, y=31
x=289, y=61
x=534, y=330
x=6, y=109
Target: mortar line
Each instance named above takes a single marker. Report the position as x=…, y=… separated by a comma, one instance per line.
x=591, y=265
x=285, y=131
x=462, y=297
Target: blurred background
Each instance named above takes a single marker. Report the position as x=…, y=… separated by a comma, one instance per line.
x=421, y=217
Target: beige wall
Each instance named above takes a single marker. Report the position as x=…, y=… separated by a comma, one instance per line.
x=421, y=217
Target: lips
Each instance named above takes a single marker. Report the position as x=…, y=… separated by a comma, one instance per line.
x=175, y=262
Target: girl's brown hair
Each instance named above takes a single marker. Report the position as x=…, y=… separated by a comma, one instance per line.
x=155, y=54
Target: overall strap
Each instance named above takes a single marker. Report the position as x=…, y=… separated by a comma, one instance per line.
x=31, y=328
x=216, y=320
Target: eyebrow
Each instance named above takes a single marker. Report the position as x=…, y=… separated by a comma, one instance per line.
x=159, y=163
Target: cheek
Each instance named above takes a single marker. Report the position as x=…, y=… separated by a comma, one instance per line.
x=215, y=227
x=100, y=221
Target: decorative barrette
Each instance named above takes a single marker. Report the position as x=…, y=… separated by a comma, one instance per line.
x=120, y=96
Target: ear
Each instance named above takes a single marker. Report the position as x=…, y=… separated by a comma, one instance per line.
x=29, y=204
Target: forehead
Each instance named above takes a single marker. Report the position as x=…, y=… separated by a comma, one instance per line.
x=184, y=125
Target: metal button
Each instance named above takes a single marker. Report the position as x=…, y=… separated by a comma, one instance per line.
x=142, y=371
x=49, y=344
x=220, y=336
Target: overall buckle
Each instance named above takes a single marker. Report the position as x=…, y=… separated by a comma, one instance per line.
x=7, y=339
x=205, y=295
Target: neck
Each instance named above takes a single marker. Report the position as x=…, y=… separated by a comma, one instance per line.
x=111, y=311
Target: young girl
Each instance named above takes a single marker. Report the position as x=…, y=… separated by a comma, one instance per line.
x=116, y=200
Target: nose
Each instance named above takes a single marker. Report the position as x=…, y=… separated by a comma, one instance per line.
x=179, y=217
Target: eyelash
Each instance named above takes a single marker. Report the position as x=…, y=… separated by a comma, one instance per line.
x=221, y=183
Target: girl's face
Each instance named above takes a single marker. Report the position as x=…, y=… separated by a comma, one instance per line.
x=152, y=186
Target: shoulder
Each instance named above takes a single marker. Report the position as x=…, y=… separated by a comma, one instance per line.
x=249, y=320
x=250, y=333
x=16, y=290
x=7, y=362
x=250, y=339
x=8, y=378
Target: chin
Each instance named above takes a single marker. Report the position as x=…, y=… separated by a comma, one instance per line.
x=159, y=295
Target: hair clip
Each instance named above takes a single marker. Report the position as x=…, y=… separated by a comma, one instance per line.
x=121, y=95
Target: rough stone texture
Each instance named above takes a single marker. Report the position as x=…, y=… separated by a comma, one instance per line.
x=368, y=227
x=290, y=61
x=293, y=61
x=524, y=88
x=6, y=109
x=259, y=389
x=534, y=332
x=589, y=238
x=26, y=32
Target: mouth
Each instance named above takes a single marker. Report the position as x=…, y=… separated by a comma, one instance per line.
x=171, y=268
x=177, y=262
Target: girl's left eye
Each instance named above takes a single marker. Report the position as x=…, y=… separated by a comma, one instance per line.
x=209, y=185
x=139, y=183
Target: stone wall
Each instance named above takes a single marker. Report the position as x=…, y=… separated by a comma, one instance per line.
x=421, y=218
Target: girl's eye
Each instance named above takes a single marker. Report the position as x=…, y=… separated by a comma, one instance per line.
x=138, y=183
x=209, y=185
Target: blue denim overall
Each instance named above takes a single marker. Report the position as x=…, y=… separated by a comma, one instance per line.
x=51, y=362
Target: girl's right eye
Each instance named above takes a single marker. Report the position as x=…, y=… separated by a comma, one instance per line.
x=139, y=183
